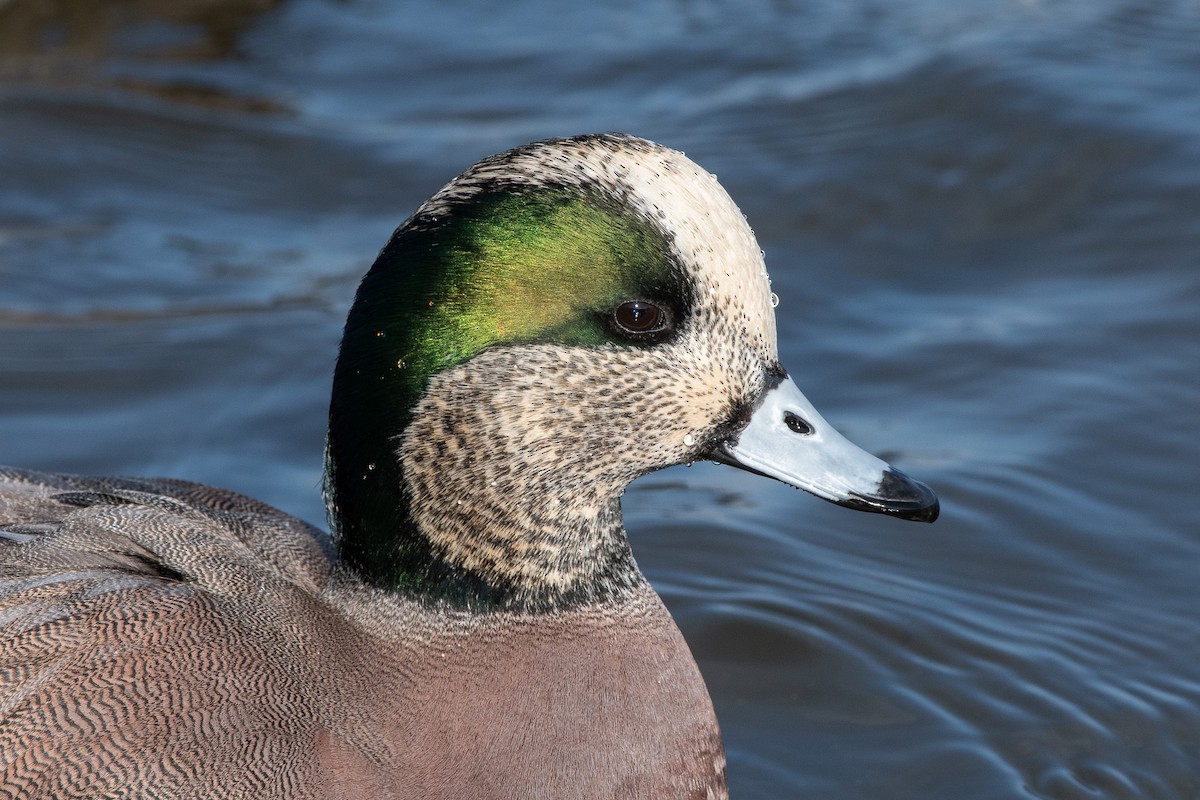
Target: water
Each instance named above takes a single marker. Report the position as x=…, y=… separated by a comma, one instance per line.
x=980, y=217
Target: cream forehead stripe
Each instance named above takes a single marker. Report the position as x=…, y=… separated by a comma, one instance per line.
x=710, y=233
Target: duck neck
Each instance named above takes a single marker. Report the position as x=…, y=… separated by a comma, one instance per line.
x=447, y=543
x=448, y=515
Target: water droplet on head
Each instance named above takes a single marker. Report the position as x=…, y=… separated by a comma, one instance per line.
x=689, y=440
x=370, y=466
x=400, y=363
x=380, y=334
x=774, y=300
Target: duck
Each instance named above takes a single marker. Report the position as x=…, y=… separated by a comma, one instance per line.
x=557, y=321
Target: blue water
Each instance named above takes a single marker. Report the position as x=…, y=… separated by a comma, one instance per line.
x=982, y=220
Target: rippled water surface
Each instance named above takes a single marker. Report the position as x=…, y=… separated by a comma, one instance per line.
x=982, y=219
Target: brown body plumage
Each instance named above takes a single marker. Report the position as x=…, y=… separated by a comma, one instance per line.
x=169, y=640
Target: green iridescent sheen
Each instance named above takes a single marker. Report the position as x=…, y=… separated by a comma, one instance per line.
x=502, y=268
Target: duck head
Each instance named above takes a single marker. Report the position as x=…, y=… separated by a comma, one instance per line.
x=555, y=322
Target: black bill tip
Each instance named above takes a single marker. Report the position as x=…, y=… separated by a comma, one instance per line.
x=899, y=496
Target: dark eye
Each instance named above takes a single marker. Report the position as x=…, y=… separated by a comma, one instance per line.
x=640, y=316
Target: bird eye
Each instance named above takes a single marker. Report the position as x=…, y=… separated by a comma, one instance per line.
x=640, y=317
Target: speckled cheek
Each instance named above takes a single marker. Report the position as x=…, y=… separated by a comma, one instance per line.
x=719, y=375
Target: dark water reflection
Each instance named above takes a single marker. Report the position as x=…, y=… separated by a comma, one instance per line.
x=981, y=220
